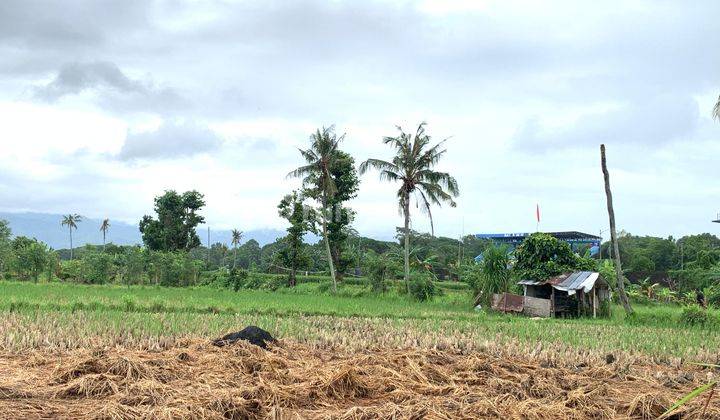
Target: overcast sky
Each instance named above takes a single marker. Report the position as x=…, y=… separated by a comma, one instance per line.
x=105, y=104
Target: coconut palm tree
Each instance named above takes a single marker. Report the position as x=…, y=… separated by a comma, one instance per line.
x=236, y=237
x=104, y=228
x=320, y=157
x=412, y=166
x=71, y=221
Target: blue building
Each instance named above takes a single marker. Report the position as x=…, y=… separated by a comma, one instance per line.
x=578, y=241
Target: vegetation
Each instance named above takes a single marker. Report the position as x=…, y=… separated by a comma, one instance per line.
x=322, y=158
x=177, y=219
x=412, y=166
x=71, y=221
x=301, y=219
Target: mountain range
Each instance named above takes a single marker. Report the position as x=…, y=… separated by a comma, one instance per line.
x=46, y=227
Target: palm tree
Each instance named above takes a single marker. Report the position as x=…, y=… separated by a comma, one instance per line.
x=104, y=228
x=320, y=157
x=71, y=221
x=716, y=110
x=236, y=237
x=412, y=167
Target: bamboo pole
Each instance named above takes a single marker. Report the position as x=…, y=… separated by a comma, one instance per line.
x=613, y=235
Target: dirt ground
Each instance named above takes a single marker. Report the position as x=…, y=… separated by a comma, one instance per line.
x=198, y=380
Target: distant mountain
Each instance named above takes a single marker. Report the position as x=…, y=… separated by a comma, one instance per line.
x=46, y=227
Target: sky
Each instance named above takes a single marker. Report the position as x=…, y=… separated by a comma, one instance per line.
x=105, y=104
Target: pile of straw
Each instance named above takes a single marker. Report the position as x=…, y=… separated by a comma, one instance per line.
x=198, y=380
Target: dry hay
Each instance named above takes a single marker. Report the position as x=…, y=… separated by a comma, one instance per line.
x=293, y=380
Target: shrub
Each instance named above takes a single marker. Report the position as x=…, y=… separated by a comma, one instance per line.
x=422, y=287
x=236, y=279
x=694, y=315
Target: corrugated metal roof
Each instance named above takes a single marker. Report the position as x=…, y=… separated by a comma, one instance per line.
x=569, y=282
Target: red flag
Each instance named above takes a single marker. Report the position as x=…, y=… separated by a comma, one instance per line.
x=537, y=212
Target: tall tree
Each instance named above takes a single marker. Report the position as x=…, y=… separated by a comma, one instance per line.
x=613, y=234
x=344, y=175
x=236, y=237
x=412, y=166
x=320, y=158
x=5, y=254
x=104, y=227
x=176, y=223
x=71, y=221
x=301, y=221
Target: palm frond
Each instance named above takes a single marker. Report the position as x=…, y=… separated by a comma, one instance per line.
x=380, y=165
x=716, y=110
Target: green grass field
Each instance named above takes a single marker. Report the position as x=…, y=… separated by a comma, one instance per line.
x=70, y=315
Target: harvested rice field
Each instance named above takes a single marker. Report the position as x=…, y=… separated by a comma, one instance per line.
x=120, y=354
x=197, y=380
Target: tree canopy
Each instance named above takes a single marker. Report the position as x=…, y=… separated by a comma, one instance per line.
x=174, y=229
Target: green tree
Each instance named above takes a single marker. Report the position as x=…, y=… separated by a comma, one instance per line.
x=236, y=237
x=317, y=176
x=31, y=257
x=346, y=183
x=104, y=227
x=412, y=166
x=541, y=256
x=301, y=220
x=5, y=245
x=249, y=254
x=71, y=221
x=177, y=219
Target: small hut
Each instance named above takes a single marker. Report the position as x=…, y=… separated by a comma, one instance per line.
x=566, y=295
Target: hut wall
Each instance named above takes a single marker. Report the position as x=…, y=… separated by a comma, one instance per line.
x=536, y=307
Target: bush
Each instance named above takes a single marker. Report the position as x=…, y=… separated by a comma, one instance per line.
x=236, y=279
x=422, y=287
x=694, y=315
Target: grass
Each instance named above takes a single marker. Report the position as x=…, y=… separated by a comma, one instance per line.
x=70, y=315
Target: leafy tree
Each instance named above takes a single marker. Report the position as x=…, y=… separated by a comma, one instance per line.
x=104, y=227
x=317, y=177
x=5, y=245
x=346, y=183
x=71, y=221
x=301, y=219
x=177, y=219
x=412, y=166
x=249, y=254
x=541, y=256
x=31, y=257
x=236, y=237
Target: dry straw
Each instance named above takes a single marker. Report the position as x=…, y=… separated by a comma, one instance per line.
x=197, y=380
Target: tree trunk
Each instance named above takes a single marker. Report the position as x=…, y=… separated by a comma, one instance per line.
x=293, y=277
x=613, y=235
x=235, y=257
x=71, y=246
x=329, y=254
x=103, y=241
x=406, y=210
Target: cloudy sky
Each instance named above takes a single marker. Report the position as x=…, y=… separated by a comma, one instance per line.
x=104, y=104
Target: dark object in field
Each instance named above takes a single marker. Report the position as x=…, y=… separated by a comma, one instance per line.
x=609, y=358
x=700, y=297
x=253, y=334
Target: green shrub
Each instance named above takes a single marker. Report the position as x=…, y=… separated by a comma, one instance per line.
x=236, y=279
x=694, y=315
x=422, y=287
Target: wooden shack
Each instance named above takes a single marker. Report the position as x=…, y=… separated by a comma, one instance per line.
x=566, y=295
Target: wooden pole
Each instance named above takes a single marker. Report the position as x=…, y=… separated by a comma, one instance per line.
x=594, y=303
x=613, y=235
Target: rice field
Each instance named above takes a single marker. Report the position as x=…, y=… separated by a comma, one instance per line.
x=359, y=355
